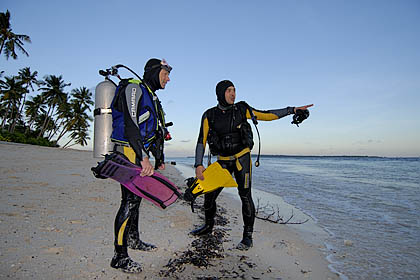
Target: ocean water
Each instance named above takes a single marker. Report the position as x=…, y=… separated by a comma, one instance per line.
x=370, y=207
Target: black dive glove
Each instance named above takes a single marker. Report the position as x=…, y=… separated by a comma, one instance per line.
x=300, y=116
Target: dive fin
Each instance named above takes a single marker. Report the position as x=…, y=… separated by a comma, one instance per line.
x=215, y=176
x=156, y=188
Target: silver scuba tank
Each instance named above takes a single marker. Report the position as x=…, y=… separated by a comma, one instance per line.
x=104, y=93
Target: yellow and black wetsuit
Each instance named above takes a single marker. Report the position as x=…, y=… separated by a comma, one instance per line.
x=223, y=125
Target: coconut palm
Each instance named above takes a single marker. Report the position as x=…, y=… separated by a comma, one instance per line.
x=62, y=117
x=84, y=96
x=53, y=94
x=79, y=135
x=40, y=120
x=11, y=92
x=79, y=124
x=33, y=108
x=29, y=80
x=10, y=41
x=76, y=114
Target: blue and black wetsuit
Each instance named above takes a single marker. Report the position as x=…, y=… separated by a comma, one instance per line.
x=135, y=134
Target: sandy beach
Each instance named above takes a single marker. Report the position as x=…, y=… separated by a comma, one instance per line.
x=57, y=220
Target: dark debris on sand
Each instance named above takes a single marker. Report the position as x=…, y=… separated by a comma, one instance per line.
x=206, y=248
x=203, y=248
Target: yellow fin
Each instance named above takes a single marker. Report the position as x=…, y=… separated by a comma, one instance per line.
x=215, y=176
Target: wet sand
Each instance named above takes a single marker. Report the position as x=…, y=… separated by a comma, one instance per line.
x=57, y=220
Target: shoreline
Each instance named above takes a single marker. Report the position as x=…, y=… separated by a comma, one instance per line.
x=309, y=232
x=56, y=221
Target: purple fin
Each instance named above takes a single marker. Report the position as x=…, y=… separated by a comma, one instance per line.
x=156, y=188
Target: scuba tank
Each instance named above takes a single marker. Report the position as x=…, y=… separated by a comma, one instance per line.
x=104, y=93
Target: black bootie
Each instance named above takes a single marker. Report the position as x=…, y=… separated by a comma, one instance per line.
x=133, y=238
x=122, y=261
x=209, y=213
x=135, y=243
x=246, y=241
x=204, y=229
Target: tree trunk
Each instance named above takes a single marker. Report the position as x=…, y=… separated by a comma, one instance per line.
x=5, y=117
x=23, y=104
x=2, y=45
x=68, y=143
x=13, y=122
x=29, y=127
x=65, y=130
x=44, y=125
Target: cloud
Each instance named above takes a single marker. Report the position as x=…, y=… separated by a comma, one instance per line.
x=185, y=141
x=368, y=142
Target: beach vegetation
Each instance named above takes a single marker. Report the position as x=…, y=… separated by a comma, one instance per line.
x=52, y=92
x=43, y=112
x=18, y=137
x=39, y=112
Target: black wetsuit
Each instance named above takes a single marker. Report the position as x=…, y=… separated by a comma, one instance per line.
x=126, y=226
x=226, y=123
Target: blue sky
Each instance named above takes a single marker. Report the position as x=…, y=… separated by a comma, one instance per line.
x=357, y=61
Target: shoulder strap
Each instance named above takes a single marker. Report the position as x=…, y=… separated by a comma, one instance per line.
x=253, y=117
x=211, y=117
x=255, y=122
x=117, y=102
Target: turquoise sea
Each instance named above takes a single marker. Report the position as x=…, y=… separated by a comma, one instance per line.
x=370, y=207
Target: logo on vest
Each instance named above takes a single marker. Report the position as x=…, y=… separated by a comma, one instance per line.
x=133, y=102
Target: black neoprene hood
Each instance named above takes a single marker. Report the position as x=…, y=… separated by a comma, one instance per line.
x=220, y=91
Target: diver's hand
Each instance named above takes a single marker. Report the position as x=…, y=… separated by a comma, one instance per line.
x=162, y=166
x=303, y=107
x=199, y=172
x=147, y=167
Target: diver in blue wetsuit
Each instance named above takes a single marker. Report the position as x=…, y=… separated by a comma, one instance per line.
x=226, y=130
x=138, y=132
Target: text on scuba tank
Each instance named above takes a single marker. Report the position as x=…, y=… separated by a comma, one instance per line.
x=133, y=102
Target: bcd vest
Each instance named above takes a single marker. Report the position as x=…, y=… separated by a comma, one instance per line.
x=150, y=118
x=230, y=143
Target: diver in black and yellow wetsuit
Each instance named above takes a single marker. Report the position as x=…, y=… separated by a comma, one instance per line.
x=136, y=134
x=226, y=130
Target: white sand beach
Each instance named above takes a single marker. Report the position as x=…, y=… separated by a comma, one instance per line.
x=57, y=222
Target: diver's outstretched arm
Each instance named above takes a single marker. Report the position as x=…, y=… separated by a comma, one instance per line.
x=303, y=107
x=275, y=114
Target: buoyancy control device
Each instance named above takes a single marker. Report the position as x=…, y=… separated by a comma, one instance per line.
x=104, y=94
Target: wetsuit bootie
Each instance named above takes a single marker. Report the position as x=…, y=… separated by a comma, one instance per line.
x=246, y=241
x=209, y=214
x=122, y=261
x=205, y=229
x=137, y=244
x=133, y=238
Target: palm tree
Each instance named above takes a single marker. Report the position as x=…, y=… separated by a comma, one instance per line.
x=11, y=93
x=53, y=94
x=10, y=41
x=63, y=114
x=29, y=80
x=40, y=120
x=78, y=123
x=79, y=132
x=84, y=96
x=33, y=108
